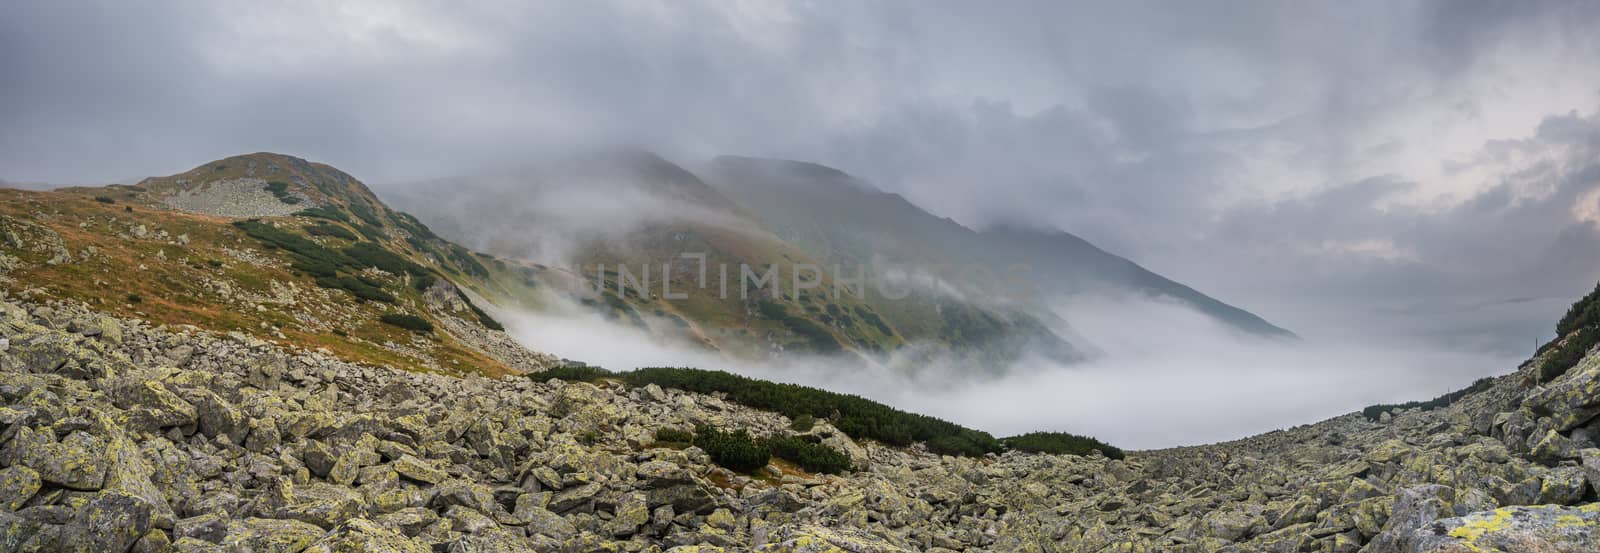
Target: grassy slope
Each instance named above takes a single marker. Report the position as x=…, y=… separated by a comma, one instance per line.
x=217, y=277
x=734, y=323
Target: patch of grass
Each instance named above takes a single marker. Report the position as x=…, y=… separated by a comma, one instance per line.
x=408, y=322
x=361, y=288
x=1060, y=443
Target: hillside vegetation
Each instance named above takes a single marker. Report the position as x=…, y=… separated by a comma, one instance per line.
x=337, y=271
x=856, y=416
x=1576, y=333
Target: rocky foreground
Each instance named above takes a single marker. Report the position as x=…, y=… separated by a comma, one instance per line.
x=118, y=436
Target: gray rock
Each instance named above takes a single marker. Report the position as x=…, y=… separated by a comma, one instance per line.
x=110, y=522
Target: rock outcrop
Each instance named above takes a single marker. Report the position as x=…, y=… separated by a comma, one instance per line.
x=163, y=439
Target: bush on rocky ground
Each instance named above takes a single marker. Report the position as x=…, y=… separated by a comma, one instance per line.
x=735, y=451
x=1373, y=412
x=1576, y=333
x=329, y=229
x=857, y=417
x=408, y=322
x=675, y=436
x=813, y=457
x=1060, y=443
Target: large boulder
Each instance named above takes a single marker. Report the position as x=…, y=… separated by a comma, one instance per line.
x=364, y=535
x=111, y=522
x=1543, y=529
x=1572, y=399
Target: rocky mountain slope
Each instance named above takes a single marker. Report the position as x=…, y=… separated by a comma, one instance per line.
x=120, y=435
x=638, y=210
x=846, y=219
x=271, y=246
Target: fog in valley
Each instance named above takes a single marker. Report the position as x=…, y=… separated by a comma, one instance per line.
x=1413, y=188
x=1164, y=377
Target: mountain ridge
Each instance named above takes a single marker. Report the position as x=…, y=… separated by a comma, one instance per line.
x=770, y=188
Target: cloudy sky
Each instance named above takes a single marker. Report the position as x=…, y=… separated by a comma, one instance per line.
x=1399, y=169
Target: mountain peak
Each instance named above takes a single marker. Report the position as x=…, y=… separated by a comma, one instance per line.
x=259, y=184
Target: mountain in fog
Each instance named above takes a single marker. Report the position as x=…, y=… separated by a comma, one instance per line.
x=846, y=220
x=619, y=220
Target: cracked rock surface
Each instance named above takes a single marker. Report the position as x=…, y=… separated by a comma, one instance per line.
x=140, y=438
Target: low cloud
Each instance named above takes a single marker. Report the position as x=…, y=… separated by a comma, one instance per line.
x=1165, y=376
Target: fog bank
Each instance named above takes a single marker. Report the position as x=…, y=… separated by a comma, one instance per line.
x=1165, y=376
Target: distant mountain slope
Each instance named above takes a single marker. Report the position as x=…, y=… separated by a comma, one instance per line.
x=847, y=220
x=273, y=247
x=636, y=209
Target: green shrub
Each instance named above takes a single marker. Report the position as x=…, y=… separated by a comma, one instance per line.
x=367, y=254
x=412, y=225
x=135, y=298
x=105, y=199
x=735, y=450
x=803, y=423
x=365, y=212
x=483, y=318
x=330, y=229
x=464, y=259
x=1584, y=313
x=1576, y=333
x=306, y=252
x=771, y=310
x=370, y=232
x=572, y=373
x=408, y=322
x=1569, y=353
x=674, y=436
x=1373, y=412
x=324, y=212
x=362, y=289
x=280, y=190
x=423, y=282
x=856, y=416
x=1060, y=443
x=812, y=457
x=816, y=337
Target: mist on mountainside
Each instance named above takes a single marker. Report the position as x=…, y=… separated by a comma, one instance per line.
x=1154, y=363
x=1163, y=376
